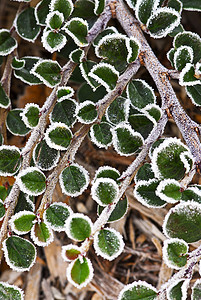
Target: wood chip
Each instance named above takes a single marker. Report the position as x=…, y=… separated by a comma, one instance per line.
x=33, y=282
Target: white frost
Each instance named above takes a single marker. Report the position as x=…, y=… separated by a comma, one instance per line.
x=68, y=230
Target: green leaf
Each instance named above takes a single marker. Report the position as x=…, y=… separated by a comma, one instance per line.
x=31, y=181
x=19, y=253
x=41, y=234
x=53, y=40
x=104, y=191
x=24, y=73
x=142, y=123
x=70, y=252
x=106, y=31
x=182, y=56
x=10, y=160
x=85, y=92
x=178, y=290
x=187, y=78
x=26, y=25
x=45, y=158
x=140, y=93
x=74, y=180
x=170, y=56
x=85, y=68
x=84, y=9
x=77, y=28
x=58, y=136
x=154, y=111
x=64, y=111
x=168, y=160
x=144, y=9
x=64, y=91
x=54, y=20
x=175, y=4
x=24, y=203
x=48, y=71
x=191, y=39
x=78, y=227
x=176, y=30
x=145, y=192
x=1, y=139
x=105, y=74
x=2, y=210
x=118, y=110
x=125, y=141
x=196, y=290
x=7, y=42
x=22, y=222
x=194, y=93
x=8, y=291
x=138, y=290
x=101, y=135
x=17, y=64
x=119, y=211
x=15, y=124
x=41, y=12
x=191, y=193
x=99, y=6
x=63, y=6
x=77, y=55
x=191, y=5
x=169, y=190
x=30, y=115
x=4, y=99
x=3, y=193
x=162, y=22
x=144, y=173
x=56, y=215
x=183, y=222
x=107, y=172
x=80, y=272
x=108, y=243
x=175, y=253
x=87, y=112
x=134, y=50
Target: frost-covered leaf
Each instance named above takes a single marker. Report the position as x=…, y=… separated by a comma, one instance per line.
x=138, y=290
x=3, y=192
x=8, y=291
x=101, y=135
x=194, y=5
x=77, y=28
x=104, y=191
x=169, y=161
x=10, y=160
x=105, y=74
x=87, y=112
x=131, y=3
x=42, y=234
x=107, y=172
x=175, y=253
x=145, y=192
x=78, y=227
x=118, y=110
x=64, y=91
x=106, y=31
x=175, y=4
x=162, y=21
x=2, y=210
x=196, y=290
x=24, y=74
x=77, y=56
x=144, y=9
x=187, y=78
x=99, y=6
x=85, y=92
x=7, y=42
x=45, y=158
x=176, y=30
x=118, y=213
x=178, y=290
x=1, y=139
x=154, y=111
x=70, y=252
x=183, y=221
x=169, y=190
x=125, y=141
x=85, y=68
x=31, y=181
x=194, y=93
x=26, y=25
x=74, y=180
x=22, y=222
x=140, y=93
x=56, y=215
x=63, y=6
x=53, y=41
x=64, y=111
x=191, y=39
x=170, y=56
x=191, y=193
x=48, y=71
x=30, y=115
x=145, y=172
x=20, y=254
x=54, y=20
x=84, y=9
x=182, y=56
x=58, y=136
x=108, y=243
x=17, y=64
x=24, y=203
x=15, y=124
x=41, y=12
x=134, y=47
x=142, y=123
x=80, y=272
x=4, y=99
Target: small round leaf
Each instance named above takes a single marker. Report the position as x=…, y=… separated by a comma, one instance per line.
x=105, y=191
x=58, y=136
x=10, y=160
x=78, y=227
